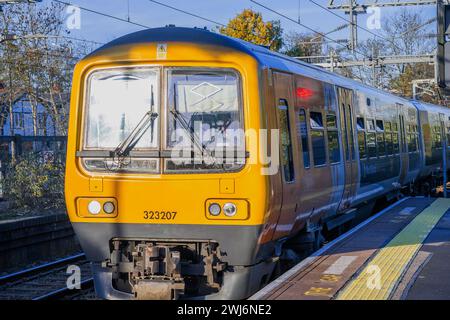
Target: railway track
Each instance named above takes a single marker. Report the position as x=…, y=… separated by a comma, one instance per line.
x=46, y=281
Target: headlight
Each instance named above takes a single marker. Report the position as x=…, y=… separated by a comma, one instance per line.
x=97, y=208
x=108, y=207
x=94, y=207
x=214, y=209
x=229, y=209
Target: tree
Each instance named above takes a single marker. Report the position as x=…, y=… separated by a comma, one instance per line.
x=250, y=26
x=299, y=44
x=38, y=60
x=402, y=84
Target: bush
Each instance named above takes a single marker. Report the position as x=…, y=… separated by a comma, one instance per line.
x=33, y=182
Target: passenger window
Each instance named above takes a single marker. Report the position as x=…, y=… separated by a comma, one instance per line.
x=360, y=123
x=371, y=145
x=362, y=144
x=380, y=126
x=331, y=121
x=370, y=125
x=388, y=137
x=381, y=145
x=286, y=145
x=412, y=143
x=412, y=138
x=437, y=143
x=316, y=120
x=361, y=137
x=387, y=126
x=371, y=139
x=318, y=146
x=317, y=138
x=394, y=126
x=389, y=144
x=395, y=142
x=380, y=138
x=333, y=146
x=303, y=128
x=334, y=154
x=395, y=145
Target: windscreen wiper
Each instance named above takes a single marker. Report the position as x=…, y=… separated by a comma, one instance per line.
x=147, y=121
x=194, y=139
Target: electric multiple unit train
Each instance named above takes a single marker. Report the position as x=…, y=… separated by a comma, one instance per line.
x=193, y=158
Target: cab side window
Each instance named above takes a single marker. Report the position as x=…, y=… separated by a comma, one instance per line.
x=287, y=162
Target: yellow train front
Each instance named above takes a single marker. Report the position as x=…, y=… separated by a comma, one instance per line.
x=163, y=187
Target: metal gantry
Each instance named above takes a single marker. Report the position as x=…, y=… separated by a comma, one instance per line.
x=332, y=4
x=379, y=61
x=353, y=8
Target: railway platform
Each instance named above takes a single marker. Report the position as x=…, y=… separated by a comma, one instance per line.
x=401, y=253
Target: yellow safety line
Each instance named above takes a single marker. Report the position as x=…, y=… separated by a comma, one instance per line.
x=385, y=270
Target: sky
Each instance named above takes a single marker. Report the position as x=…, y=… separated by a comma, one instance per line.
x=103, y=29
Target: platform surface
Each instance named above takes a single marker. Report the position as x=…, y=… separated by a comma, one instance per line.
x=403, y=252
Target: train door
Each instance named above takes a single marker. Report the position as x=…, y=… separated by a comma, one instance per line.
x=404, y=158
x=345, y=102
x=284, y=105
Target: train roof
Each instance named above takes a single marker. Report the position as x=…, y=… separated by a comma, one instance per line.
x=262, y=54
x=425, y=106
x=178, y=34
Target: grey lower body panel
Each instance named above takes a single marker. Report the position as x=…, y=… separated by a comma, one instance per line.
x=239, y=244
x=239, y=283
x=249, y=266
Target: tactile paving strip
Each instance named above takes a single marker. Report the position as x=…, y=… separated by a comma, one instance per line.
x=381, y=275
x=333, y=266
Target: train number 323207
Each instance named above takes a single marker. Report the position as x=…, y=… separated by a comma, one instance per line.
x=160, y=215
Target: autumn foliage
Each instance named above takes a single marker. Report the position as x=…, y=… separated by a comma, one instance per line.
x=250, y=26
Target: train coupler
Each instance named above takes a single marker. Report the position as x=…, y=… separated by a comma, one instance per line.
x=158, y=289
x=154, y=269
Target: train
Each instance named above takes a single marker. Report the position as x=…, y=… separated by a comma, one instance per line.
x=196, y=161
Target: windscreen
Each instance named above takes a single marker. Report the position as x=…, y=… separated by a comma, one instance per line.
x=204, y=116
x=117, y=101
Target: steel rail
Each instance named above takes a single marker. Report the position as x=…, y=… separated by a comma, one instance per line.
x=59, y=293
x=40, y=268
